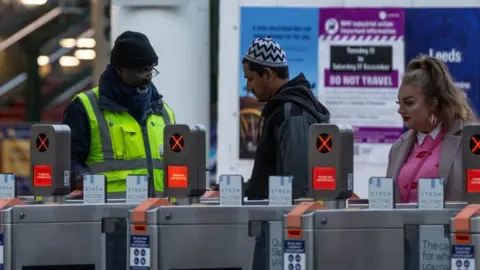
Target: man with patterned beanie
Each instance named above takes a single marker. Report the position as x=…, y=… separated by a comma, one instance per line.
x=291, y=108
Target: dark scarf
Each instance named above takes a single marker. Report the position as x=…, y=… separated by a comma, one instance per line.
x=115, y=89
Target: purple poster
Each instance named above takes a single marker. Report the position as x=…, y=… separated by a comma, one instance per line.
x=361, y=59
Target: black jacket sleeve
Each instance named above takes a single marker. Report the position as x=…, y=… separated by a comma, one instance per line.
x=292, y=157
x=76, y=118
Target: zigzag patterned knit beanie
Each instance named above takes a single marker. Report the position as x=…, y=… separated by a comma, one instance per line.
x=265, y=51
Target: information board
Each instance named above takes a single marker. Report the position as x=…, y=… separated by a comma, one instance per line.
x=294, y=255
x=380, y=193
x=231, y=192
x=463, y=257
x=139, y=252
x=7, y=185
x=434, y=247
x=361, y=59
x=431, y=193
x=275, y=237
x=280, y=190
x=137, y=188
x=94, y=189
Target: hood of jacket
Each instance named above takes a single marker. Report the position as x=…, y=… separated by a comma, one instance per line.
x=297, y=91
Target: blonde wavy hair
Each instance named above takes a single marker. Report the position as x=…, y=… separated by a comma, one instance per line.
x=432, y=75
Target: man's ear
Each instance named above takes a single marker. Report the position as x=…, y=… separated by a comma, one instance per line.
x=270, y=75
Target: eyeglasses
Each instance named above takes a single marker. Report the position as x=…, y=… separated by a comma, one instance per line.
x=143, y=71
x=154, y=72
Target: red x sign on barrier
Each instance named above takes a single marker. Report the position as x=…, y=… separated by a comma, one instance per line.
x=176, y=143
x=475, y=144
x=324, y=143
x=42, y=142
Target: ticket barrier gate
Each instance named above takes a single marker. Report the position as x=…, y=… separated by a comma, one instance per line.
x=367, y=239
x=63, y=236
x=465, y=226
x=53, y=234
x=202, y=237
x=241, y=235
x=389, y=236
x=215, y=234
x=210, y=236
x=443, y=237
x=59, y=233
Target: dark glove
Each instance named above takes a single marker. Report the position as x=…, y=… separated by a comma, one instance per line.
x=77, y=186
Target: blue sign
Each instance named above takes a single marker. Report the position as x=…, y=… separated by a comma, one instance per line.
x=450, y=34
x=294, y=255
x=294, y=246
x=298, y=38
x=139, y=252
x=463, y=257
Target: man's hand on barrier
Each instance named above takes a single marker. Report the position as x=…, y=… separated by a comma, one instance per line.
x=215, y=187
x=77, y=185
x=78, y=193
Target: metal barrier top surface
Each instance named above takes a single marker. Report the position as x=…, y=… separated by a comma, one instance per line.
x=62, y=213
x=397, y=218
x=213, y=214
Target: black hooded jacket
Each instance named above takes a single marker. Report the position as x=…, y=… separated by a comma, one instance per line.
x=283, y=145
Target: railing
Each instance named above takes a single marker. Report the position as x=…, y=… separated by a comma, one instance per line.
x=52, y=14
x=21, y=78
x=49, y=16
x=71, y=91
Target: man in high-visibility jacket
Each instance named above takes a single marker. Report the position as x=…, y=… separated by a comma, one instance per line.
x=117, y=127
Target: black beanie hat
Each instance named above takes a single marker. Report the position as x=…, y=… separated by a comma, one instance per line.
x=132, y=49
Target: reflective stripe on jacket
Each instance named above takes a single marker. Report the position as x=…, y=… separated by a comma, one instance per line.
x=120, y=146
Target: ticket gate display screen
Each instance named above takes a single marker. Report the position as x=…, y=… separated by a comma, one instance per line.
x=324, y=143
x=475, y=144
x=177, y=142
x=42, y=142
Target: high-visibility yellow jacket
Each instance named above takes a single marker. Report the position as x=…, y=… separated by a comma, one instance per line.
x=120, y=146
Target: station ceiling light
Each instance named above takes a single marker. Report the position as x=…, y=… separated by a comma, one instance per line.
x=87, y=54
x=67, y=42
x=86, y=43
x=69, y=61
x=43, y=60
x=33, y=2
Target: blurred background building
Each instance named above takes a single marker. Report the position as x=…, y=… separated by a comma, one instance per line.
x=51, y=50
